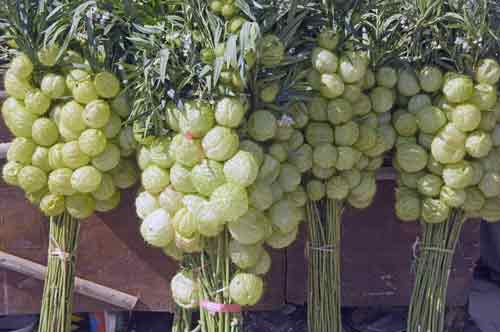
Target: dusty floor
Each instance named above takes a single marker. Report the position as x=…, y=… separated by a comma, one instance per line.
x=484, y=301
x=288, y=319
x=293, y=319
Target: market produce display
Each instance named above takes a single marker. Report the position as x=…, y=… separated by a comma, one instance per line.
x=446, y=146
x=217, y=184
x=206, y=197
x=201, y=182
x=242, y=119
x=346, y=132
x=210, y=180
x=70, y=150
x=445, y=152
x=447, y=159
x=68, y=155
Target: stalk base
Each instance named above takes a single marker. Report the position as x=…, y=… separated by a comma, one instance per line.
x=324, y=301
x=57, y=302
x=436, y=251
x=215, y=277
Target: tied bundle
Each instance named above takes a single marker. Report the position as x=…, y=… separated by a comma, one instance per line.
x=217, y=311
x=347, y=131
x=69, y=154
x=433, y=272
x=57, y=301
x=324, y=265
x=446, y=154
x=214, y=186
x=447, y=158
x=69, y=173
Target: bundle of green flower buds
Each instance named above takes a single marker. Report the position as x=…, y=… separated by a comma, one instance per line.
x=69, y=152
x=446, y=150
x=449, y=169
x=202, y=179
x=214, y=206
x=346, y=128
x=230, y=11
x=69, y=156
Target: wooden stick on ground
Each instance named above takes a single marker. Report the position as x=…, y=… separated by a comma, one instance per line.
x=84, y=287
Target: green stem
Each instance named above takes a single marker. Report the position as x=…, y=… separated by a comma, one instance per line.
x=428, y=304
x=324, y=298
x=183, y=320
x=57, y=301
x=214, y=279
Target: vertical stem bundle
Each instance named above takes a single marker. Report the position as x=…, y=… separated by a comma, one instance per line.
x=57, y=303
x=215, y=277
x=428, y=303
x=324, y=301
x=183, y=320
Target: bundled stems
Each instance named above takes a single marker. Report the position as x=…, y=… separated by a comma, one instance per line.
x=214, y=282
x=435, y=258
x=324, y=301
x=57, y=303
x=183, y=320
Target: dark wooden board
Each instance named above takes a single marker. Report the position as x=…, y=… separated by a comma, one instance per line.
x=377, y=258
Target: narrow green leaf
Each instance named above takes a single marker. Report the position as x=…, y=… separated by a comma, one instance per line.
x=245, y=8
x=164, y=56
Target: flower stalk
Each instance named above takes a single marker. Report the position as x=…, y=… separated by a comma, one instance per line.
x=214, y=280
x=324, y=298
x=183, y=320
x=57, y=303
x=435, y=258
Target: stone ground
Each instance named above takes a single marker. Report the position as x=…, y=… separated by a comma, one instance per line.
x=293, y=319
x=483, y=308
x=288, y=319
